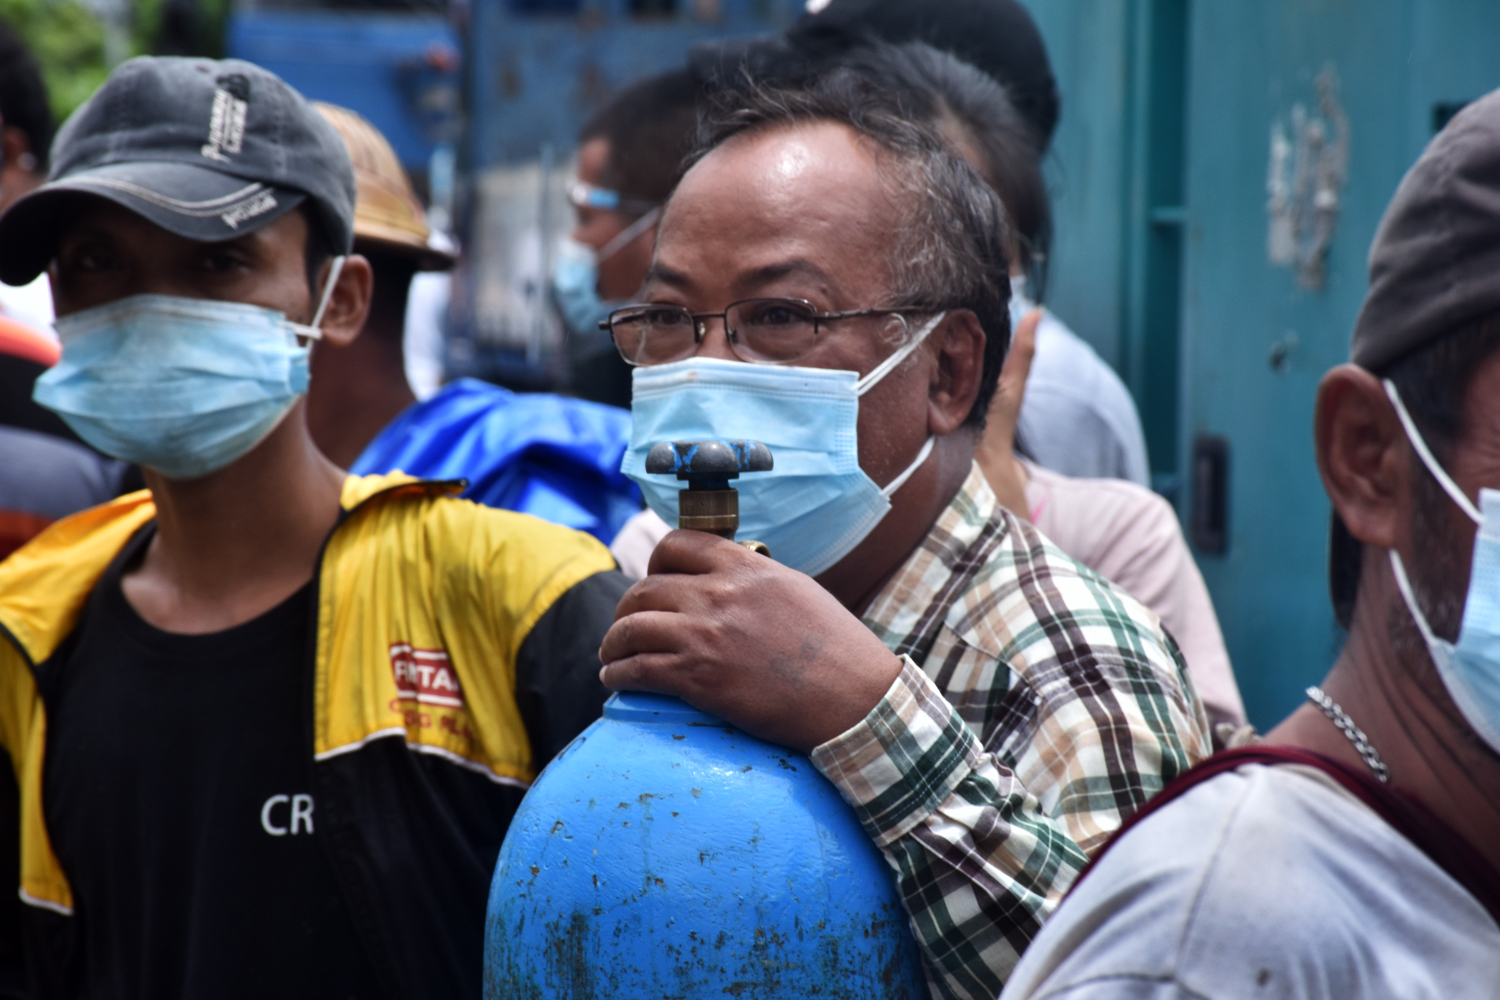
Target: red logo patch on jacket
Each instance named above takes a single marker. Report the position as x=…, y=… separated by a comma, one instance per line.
x=425, y=675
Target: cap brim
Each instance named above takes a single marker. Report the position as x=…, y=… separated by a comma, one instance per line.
x=427, y=258
x=196, y=203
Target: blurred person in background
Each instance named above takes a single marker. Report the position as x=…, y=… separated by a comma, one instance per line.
x=270, y=720
x=1354, y=853
x=630, y=155
x=1077, y=418
x=540, y=454
x=362, y=386
x=46, y=472
x=1119, y=528
x=25, y=135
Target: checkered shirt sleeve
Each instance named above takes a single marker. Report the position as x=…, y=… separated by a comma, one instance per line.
x=1038, y=707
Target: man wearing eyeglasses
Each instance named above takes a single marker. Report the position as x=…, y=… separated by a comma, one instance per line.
x=629, y=158
x=829, y=281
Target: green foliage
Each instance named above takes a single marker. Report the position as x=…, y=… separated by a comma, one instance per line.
x=72, y=45
x=69, y=43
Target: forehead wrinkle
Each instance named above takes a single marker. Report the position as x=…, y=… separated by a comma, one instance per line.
x=797, y=265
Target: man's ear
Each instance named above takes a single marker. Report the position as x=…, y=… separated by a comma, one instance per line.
x=350, y=303
x=1362, y=454
x=954, y=386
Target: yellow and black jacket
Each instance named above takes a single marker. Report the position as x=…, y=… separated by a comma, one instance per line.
x=423, y=734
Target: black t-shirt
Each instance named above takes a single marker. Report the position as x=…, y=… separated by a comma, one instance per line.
x=177, y=792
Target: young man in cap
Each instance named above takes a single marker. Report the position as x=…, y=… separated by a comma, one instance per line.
x=269, y=721
x=1355, y=853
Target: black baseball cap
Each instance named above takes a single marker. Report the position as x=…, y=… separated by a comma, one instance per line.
x=1435, y=262
x=206, y=149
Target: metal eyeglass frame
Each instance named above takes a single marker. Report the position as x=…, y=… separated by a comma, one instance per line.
x=700, y=328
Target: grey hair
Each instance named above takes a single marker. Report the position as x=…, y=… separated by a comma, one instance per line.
x=952, y=237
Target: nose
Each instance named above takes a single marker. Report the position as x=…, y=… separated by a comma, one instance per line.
x=713, y=339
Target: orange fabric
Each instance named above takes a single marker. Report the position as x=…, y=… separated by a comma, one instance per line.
x=18, y=528
x=22, y=341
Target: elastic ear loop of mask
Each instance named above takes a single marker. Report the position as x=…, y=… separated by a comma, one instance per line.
x=881, y=370
x=313, y=330
x=890, y=488
x=1455, y=688
x=1438, y=472
x=627, y=234
x=867, y=383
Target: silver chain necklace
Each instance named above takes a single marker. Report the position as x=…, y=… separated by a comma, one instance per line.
x=1352, y=733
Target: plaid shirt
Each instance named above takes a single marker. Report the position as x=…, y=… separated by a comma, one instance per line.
x=1038, y=707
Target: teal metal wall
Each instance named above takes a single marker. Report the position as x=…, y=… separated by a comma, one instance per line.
x=1160, y=175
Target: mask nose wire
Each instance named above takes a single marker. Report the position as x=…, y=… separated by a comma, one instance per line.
x=1438, y=472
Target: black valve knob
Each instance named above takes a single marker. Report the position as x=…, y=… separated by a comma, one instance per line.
x=709, y=503
x=708, y=464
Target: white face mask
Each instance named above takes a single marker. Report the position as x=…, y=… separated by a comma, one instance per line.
x=1470, y=668
x=817, y=504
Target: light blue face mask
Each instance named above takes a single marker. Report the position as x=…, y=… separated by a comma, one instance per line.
x=817, y=504
x=575, y=283
x=180, y=386
x=1470, y=668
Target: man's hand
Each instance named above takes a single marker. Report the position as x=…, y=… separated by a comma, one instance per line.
x=996, y=453
x=761, y=646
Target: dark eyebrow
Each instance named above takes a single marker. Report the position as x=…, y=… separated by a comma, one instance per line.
x=667, y=276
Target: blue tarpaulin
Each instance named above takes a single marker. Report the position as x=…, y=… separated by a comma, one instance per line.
x=550, y=456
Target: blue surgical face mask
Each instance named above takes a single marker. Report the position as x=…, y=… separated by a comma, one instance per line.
x=575, y=282
x=817, y=504
x=1470, y=668
x=180, y=386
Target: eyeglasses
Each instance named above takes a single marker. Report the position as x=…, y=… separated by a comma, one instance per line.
x=761, y=331
x=585, y=195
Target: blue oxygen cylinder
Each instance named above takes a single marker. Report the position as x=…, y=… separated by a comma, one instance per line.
x=666, y=854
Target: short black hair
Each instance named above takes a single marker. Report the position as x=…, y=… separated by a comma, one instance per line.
x=1000, y=37
x=649, y=127
x=952, y=247
x=945, y=91
x=1434, y=382
x=23, y=95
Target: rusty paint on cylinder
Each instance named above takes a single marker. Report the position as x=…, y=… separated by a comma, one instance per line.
x=665, y=854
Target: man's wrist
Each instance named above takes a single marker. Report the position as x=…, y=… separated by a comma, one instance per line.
x=903, y=759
